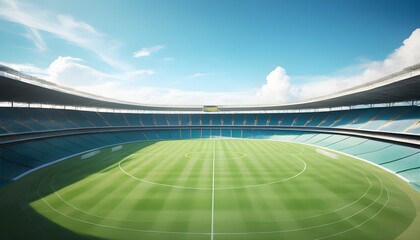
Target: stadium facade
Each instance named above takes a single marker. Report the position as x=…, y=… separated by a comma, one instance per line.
x=378, y=122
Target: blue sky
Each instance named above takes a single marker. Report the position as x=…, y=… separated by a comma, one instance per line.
x=210, y=52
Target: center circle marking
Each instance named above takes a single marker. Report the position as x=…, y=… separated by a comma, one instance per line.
x=188, y=155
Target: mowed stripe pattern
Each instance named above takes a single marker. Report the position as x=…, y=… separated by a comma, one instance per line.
x=261, y=190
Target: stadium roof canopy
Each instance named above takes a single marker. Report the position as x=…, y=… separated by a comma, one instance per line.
x=398, y=87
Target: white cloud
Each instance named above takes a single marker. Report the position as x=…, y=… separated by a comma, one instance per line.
x=70, y=71
x=34, y=35
x=196, y=75
x=137, y=73
x=277, y=87
x=144, y=52
x=180, y=97
x=170, y=96
x=64, y=27
x=280, y=87
x=73, y=72
x=28, y=69
x=73, y=25
x=407, y=54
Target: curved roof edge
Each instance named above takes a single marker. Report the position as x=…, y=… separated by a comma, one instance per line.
x=398, y=87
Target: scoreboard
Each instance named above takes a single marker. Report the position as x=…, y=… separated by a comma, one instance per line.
x=210, y=109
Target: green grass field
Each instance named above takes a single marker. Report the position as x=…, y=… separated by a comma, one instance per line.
x=210, y=189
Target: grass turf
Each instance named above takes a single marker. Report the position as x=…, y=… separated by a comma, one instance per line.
x=210, y=189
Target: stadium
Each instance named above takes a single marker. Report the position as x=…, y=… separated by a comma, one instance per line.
x=81, y=166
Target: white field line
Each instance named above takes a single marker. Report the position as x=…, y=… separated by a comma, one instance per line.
x=360, y=224
x=330, y=149
x=224, y=188
x=119, y=228
x=155, y=183
x=343, y=207
x=68, y=157
x=212, y=192
x=111, y=226
x=313, y=216
x=85, y=212
x=76, y=208
x=274, y=140
x=383, y=189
